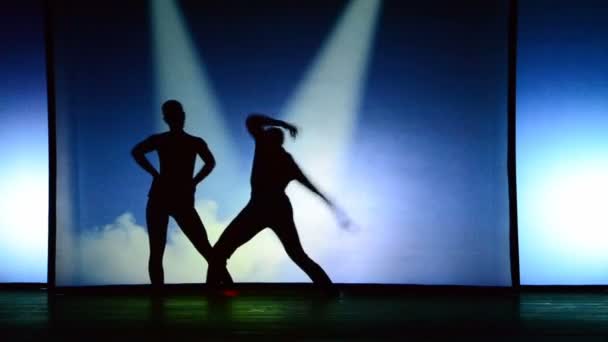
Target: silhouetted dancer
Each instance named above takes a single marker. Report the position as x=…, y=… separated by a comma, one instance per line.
x=273, y=168
x=173, y=187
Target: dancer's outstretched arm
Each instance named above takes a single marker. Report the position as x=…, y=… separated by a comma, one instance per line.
x=256, y=122
x=340, y=215
x=300, y=177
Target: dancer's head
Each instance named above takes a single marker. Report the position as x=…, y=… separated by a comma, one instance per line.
x=275, y=136
x=173, y=114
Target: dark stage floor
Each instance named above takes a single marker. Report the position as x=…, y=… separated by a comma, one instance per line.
x=288, y=313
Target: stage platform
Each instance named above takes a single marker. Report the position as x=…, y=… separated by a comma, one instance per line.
x=292, y=312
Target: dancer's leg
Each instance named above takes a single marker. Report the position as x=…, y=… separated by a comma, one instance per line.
x=244, y=227
x=285, y=229
x=157, y=220
x=190, y=223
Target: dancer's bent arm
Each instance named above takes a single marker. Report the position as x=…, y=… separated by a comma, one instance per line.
x=256, y=123
x=207, y=157
x=139, y=154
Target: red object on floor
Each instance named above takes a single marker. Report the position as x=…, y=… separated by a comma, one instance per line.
x=231, y=293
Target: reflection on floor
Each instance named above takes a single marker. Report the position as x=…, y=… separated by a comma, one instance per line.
x=264, y=314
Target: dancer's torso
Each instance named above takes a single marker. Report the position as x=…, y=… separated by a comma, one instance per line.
x=177, y=156
x=272, y=170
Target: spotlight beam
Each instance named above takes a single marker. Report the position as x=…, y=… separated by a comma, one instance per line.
x=325, y=106
x=181, y=75
x=325, y=103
